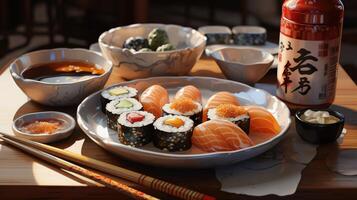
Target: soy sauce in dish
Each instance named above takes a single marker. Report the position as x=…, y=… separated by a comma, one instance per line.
x=62, y=72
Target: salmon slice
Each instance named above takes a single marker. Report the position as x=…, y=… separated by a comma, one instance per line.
x=189, y=91
x=217, y=99
x=262, y=121
x=153, y=98
x=219, y=135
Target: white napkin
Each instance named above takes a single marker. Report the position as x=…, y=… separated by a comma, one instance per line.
x=277, y=171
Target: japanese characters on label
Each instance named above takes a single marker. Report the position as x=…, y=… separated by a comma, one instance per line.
x=307, y=70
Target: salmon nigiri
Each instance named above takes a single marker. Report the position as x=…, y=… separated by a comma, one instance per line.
x=189, y=91
x=262, y=121
x=153, y=98
x=219, y=135
x=217, y=99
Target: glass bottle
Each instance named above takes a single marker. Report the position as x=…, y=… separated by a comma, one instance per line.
x=309, y=49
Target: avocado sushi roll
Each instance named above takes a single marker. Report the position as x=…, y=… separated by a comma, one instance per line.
x=229, y=112
x=173, y=133
x=117, y=92
x=119, y=106
x=135, y=128
x=186, y=107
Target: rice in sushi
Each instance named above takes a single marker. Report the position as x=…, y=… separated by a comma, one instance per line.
x=119, y=106
x=116, y=92
x=229, y=112
x=173, y=133
x=186, y=107
x=135, y=128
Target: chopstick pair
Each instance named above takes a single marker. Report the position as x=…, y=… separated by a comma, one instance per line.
x=106, y=181
x=126, y=174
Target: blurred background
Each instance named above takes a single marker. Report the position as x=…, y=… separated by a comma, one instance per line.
x=27, y=25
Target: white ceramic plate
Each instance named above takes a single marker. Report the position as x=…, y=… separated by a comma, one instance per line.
x=93, y=123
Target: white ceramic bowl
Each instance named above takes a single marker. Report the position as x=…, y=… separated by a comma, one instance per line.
x=246, y=65
x=69, y=125
x=189, y=45
x=59, y=94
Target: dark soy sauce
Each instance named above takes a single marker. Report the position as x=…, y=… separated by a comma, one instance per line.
x=60, y=72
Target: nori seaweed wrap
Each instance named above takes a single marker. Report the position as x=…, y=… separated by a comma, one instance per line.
x=173, y=133
x=119, y=106
x=135, y=128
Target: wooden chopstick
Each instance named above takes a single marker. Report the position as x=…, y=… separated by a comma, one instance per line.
x=131, y=192
x=129, y=175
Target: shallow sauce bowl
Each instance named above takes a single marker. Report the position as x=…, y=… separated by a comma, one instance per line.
x=59, y=94
x=246, y=65
x=68, y=126
x=319, y=133
x=189, y=45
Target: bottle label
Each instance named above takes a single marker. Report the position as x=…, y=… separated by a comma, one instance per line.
x=307, y=70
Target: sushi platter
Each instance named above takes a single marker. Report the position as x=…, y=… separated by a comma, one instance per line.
x=99, y=126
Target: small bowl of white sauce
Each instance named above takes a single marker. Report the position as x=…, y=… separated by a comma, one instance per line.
x=319, y=126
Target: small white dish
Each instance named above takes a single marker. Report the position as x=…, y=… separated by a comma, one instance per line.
x=246, y=65
x=68, y=126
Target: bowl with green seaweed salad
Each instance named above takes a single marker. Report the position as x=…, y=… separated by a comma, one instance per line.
x=147, y=50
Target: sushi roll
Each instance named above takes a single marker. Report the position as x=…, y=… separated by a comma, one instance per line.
x=117, y=92
x=119, y=106
x=186, y=107
x=229, y=112
x=173, y=133
x=135, y=128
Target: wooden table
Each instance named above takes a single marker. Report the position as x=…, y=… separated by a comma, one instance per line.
x=22, y=176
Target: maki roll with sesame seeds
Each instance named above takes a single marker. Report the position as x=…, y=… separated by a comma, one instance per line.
x=229, y=112
x=119, y=106
x=135, y=128
x=186, y=107
x=117, y=92
x=173, y=133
